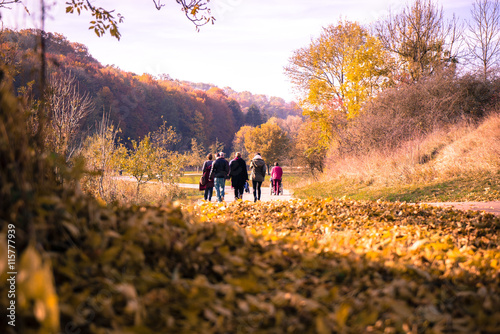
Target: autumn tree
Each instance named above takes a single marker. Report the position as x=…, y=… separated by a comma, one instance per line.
x=310, y=148
x=165, y=137
x=141, y=162
x=9, y=53
x=167, y=161
x=239, y=118
x=216, y=146
x=338, y=72
x=103, y=158
x=223, y=123
x=420, y=37
x=269, y=140
x=151, y=158
x=253, y=117
x=239, y=142
x=273, y=106
x=170, y=164
x=197, y=154
x=484, y=35
x=292, y=125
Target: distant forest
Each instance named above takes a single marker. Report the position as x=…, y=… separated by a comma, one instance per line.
x=139, y=104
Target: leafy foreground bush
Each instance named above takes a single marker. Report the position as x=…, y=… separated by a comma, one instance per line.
x=304, y=266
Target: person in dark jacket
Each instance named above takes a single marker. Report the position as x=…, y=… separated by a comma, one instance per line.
x=219, y=172
x=239, y=175
x=258, y=168
x=209, y=185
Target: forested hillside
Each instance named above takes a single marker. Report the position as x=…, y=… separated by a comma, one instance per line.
x=138, y=104
x=270, y=106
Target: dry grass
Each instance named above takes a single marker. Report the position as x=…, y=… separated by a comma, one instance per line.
x=461, y=149
x=477, y=150
x=125, y=192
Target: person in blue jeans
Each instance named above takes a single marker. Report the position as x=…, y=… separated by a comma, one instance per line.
x=220, y=172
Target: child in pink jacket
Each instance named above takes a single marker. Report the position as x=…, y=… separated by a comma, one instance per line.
x=276, y=174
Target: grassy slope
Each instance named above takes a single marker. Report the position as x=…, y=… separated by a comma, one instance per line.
x=461, y=164
x=479, y=187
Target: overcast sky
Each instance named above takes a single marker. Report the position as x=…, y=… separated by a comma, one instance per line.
x=246, y=49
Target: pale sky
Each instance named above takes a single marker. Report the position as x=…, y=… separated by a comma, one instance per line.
x=246, y=49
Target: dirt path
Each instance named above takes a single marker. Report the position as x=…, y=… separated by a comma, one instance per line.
x=491, y=207
x=266, y=192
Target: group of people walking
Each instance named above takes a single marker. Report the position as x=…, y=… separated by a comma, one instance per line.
x=215, y=173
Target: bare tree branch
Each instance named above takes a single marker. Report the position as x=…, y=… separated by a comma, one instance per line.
x=197, y=11
x=484, y=35
x=158, y=5
x=6, y=3
x=67, y=108
x=419, y=36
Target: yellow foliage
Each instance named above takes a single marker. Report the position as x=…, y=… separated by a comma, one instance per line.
x=339, y=71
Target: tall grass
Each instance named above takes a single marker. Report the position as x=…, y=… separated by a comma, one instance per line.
x=124, y=191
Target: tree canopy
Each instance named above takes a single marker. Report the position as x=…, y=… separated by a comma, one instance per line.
x=338, y=72
x=269, y=140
